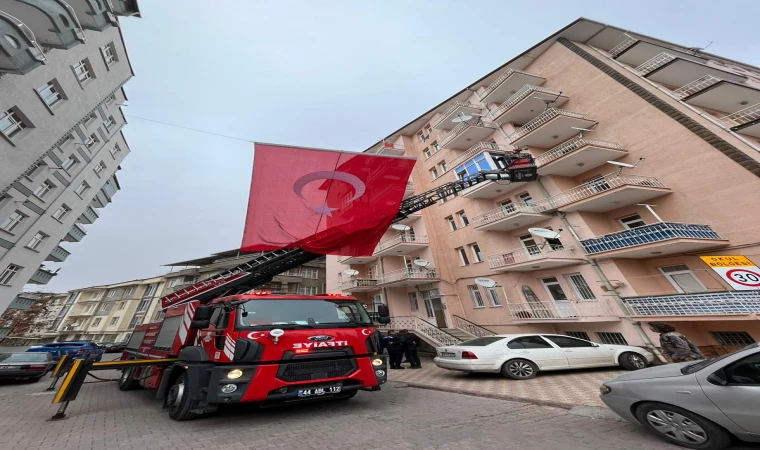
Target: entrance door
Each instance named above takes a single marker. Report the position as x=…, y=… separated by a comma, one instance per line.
x=440, y=314
x=561, y=303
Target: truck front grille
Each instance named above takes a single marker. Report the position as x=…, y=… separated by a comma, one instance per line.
x=316, y=370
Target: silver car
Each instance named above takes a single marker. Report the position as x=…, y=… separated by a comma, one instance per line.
x=701, y=405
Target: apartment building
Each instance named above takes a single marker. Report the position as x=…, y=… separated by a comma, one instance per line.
x=63, y=66
x=646, y=151
x=28, y=318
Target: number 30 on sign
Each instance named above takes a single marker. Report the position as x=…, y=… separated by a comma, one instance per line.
x=738, y=271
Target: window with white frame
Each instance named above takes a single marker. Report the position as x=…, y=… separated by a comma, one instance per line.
x=149, y=290
x=88, y=309
x=173, y=282
x=91, y=141
x=12, y=222
x=115, y=150
x=143, y=305
x=310, y=273
x=526, y=198
x=436, y=148
x=99, y=168
x=109, y=53
x=477, y=299
x=114, y=321
x=91, y=117
x=97, y=295
x=82, y=188
x=426, y=153
x=611, y=338
x=443, y=167
x=682, y=279
x=428, y=129
x=11, y=123
x=129, y=291
x=111, y=293
x=70, y=163
x=43, y=189
x=581, y=289
x=309, y=290
x=49, y=94
x=433, y=173
x=451, y=223
x=82, y=71
x=96, y=322
x=158, y=316
x=110, y=99
x=632, y=221
x=122, y=305
x=477, y=256
x=106, y=307
x=109, y=123
x=136, y=320
x=578, y=334
x=463, y=260
x=37, y=240
x=61, y=212
x=463, y=220
x=10, y=272
x=413, y=303
x=493, y=296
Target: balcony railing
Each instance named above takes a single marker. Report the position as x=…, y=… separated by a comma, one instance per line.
x=623, y=46
x=542, y=119
x=696, y=86
x=470, y=327
x=504, y=212
x=42, y=276
x=746, y=115
x=358, y=283
x=59, y=254
x=462, y=127
x=388, y=149
x=519, y=96
x=592, y=188
x=76, y=233
x=401, y=239
x=571, y=146
x=475, y=150
x=495, y=85
x=562, y=310
x=407, y=274
x=453, y=108
x=695, y=304
x=532, y=253
x=434, y=335
x=648, y=234
x=655, y=63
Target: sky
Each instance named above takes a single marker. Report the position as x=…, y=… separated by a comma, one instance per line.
x=328, y=74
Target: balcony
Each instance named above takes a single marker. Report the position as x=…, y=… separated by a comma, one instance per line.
x=476, y=150
x=444, y=122
x=19, y=51
x=59, y=254
x=100, y=200
x=578, y=155
x=387, y=149
x=464, y=134
x=403, y=244
x=357, y=260
x=41, y=276
x=89, y=216
x=407, y=277
x=635, y=52
x=125, y=8
x=745, y=121
x=75, y=234
x=93, y=15
x=661, y=238
x=54, y=22
x=673, y=70
x=526, y=104
x=718, y=94
x=534, y=258
x=727, y=303
x=410, y=219
x=606, y=194
x=359, y=285
x=562, y=311
x=549, y=128
x=506, y=218
x=22, y=303
x=508, y=83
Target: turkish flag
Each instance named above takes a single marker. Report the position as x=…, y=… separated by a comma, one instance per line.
x=323, y=201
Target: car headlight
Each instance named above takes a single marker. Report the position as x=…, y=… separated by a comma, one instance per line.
x=377, y=362
x=604, y=389
x=234, y=374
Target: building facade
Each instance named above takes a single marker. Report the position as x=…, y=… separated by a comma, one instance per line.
x=644, y=151
x=27, y=320
x=63, y=66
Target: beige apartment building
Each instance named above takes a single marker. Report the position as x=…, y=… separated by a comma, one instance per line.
x=647, y=156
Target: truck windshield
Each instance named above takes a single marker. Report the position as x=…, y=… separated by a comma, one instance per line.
x=285, y=313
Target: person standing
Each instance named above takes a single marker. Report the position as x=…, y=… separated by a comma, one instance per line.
x=674, y=344
x=411, y=344
x=393, y=345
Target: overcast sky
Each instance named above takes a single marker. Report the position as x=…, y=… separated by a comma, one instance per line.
x=328, y=74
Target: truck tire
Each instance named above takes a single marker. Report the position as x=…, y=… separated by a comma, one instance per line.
x=126, y=382
x=178, y=400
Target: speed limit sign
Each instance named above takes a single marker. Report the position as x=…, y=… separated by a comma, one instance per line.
x=738, y=271
x=744, y=277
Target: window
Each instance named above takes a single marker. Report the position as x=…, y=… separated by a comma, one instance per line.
x=173, y=282
x=92, y=117
x=114, y=321
x=413, y=304
x=95, y=322
x=109, y=54
x=91, y=141
x=475, y=250
x=580, y=287
x=463, y=220
x=49, y=94
x=310, y=273
x=451, y=223
x=70, y=162
x=421, y=136
x=568, y=342
x=37, y=240
x=43, y=189
x=530, y=244
x=578, y=334
x=109, y=123
x=631, y=222
x=149, y=290
x=11, y=123
x=309, y=290
x=88, y=309
x=493, y=296
x=143, y=305
x=745, y=371
x=111, y=293
x=9, y=274
x=82, y=188
x=428, y=129
x=611, y=338
x=532, y=342
x=728, y=338
x=122, y=305
x=426, y=153
x=136, y=320
x=435, y=147
x=13, y=221
x=475, y=165
x=443, y=167
x=433, y=173
x=477, y=299
x=61, y=212
x=110, y=99
x=158, y=316
x=554, y=289
x=97, y=295
x=99, y=168
x=115, y=150
x=463, y=261
x=106, y=306
x=526, y=198
x=129, y=291
x=82, y=71
x=682, y=279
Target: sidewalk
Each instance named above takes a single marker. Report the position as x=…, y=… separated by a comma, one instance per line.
x=563, y=389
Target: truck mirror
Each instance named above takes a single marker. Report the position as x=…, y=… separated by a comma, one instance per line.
x=382, y=311
x=203, y=313
x=199, y=324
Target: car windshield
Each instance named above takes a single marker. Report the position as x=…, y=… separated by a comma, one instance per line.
x=481, y=341
x=65, y=344
x=22, y=357
x=699, y=365
x=295, y=313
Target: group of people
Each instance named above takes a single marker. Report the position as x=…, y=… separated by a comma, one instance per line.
x=399, y=345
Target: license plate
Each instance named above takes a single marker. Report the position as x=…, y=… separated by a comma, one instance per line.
x=448, y=355
x=7, y=367
x=319, y=391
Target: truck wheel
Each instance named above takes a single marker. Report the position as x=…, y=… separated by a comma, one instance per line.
x=178, y=400
x=126, y=382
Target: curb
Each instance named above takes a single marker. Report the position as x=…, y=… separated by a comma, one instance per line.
x=550, y=403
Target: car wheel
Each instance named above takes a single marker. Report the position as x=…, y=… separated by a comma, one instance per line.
x=126, y=380
x=632, y=361
x=179, y=402
x=681, y=427
x=519, y=369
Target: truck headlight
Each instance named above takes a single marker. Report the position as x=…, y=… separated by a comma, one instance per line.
x=377, y=362
x=604, y=389
x=234, y=374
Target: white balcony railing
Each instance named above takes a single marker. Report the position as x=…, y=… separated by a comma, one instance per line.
x=596, y=187
x=695, y=304
x=532, y=253
x=542, y=119
x=453, y=108
x=746, y=115
x=517, y=97
x=503, y=212
x=571, y=146
x=695, y=86
x=655, y=63
x=648, y=234
x=434, y=335
x=358, y=283
x=562, y=310
x=464, y=126
x=401, y=239
x=498, y=82
x=623, y=46
x=407, y=274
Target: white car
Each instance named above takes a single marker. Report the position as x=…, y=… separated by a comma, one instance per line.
x=522, y=356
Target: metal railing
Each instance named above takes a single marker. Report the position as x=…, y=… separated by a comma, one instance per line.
x=453, y=108
x=503, y=212
x=407, y=274
x=746, y=115
x=434, y=334
x=623, y=46
x=571, y=146
x=598, y=186
x=647, y=234
x=519, y=96
x=562, y=310
x=696, y=86
x=401, y=239
x=41, y=276
x=59, y=253
x=474, y=151
x=502, y=78
x=470, y=327
x=655, y=63
x=77, y=232
x=702, y=303
x=462, y=127
x=542, y=119
x=532, y=253
x=358, y=283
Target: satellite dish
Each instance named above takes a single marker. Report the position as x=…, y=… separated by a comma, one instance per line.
x=621, y=164
x=351, y=272
x=461, y=118
x=400, y=227
x=485, y=282
x=277, y=332
x=543, y=233
x=422, y=262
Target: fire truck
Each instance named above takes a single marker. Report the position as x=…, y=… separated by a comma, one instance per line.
x=221, y=342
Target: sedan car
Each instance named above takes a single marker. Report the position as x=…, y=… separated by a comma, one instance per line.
x=522, y=356
x=702, y=405
x=25, y=366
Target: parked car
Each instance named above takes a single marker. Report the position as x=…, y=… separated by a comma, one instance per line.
x=115, y=347
x=25, y=366
x=74, y=349
x=702, y=405
x=522, y=356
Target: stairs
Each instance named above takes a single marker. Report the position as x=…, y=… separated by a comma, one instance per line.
x=459, y=333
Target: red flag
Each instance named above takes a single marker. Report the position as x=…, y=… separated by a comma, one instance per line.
x=323, y=201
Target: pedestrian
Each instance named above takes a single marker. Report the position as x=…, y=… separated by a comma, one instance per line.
x=391, y=343
x=411, y=344
x=674, y=344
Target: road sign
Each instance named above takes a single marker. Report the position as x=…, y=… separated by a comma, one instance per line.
x=738, y=271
